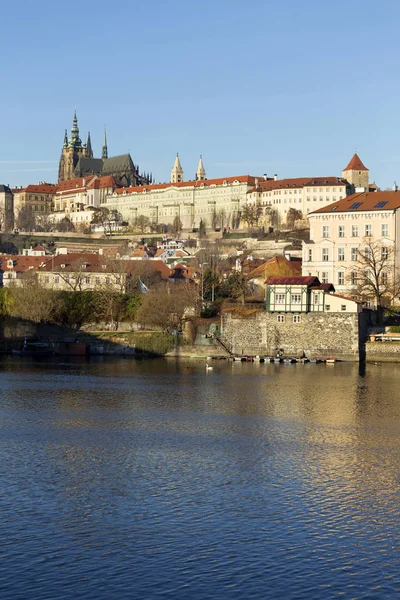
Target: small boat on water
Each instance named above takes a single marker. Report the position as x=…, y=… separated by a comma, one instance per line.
x=330, y=361
x=288, y=361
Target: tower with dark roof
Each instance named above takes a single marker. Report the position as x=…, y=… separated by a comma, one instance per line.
x=356, y=173
x=104, y=150
x=72, y=151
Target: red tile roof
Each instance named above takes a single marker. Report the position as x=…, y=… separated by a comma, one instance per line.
x=364, y=201
x=74, y=261
x=276, y=264
x=74, y=184
x=308, y=281
x=153, y=265
x=21, y=263
x=299, y=182
x=41, y=188
x=107, y=181
x=355, y=164
x=197, y=184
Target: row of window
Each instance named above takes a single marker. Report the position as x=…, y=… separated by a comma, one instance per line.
x=294, y=298
x=297, y=318
x=355, y=254
x=86, y=280
x=355, y=230
x=282, y=318
x=353, y=278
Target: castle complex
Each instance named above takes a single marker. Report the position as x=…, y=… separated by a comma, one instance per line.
x=77, y=160
x=86, y=183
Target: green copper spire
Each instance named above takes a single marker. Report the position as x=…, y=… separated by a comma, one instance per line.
x=104, y=153
x=65, y=145
x=75, y=141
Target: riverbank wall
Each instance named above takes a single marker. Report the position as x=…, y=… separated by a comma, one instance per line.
x=317, y=335
x=382, y=351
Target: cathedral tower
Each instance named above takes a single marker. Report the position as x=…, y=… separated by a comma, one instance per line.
x=177, y=171
x=200, y=173
x=71, y=152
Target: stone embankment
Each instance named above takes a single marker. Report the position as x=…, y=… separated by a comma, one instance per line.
x=317, y=335
x=382, y=351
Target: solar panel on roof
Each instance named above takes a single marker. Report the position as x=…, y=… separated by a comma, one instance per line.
x=355, y=205
x=380, y=204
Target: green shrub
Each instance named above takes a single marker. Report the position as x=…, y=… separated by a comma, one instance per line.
x=155, y=343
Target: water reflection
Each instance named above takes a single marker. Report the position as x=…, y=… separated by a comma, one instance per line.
x=145, y=479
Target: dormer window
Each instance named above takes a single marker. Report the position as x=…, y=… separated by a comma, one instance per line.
x=62, y=266
x=10, y=264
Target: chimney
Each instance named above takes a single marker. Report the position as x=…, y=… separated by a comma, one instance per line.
x=265, y=177
x=276, y=177
x=394, y=187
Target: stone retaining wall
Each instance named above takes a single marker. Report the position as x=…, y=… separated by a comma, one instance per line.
x=382, y=351
x=318, y=335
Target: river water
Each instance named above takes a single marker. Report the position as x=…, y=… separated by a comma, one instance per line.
x=154, y=479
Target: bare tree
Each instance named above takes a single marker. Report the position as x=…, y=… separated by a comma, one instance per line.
x=274, y=217
x=177, y=226
x=75, y=275
x=251, y=214
x=106, y=218
x=374, y=277
x=142, y=223
x=45, y=223
x=65, y=225
x=165, y=306
x=30, y=301
x=110, y=304
x=293, y=215
x=202, y=229
x=26, y=220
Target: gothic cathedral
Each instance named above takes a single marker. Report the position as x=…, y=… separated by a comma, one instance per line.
x=77, y=161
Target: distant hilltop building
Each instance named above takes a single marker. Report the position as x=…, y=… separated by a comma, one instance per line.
x=77, y=161
x=356, y=174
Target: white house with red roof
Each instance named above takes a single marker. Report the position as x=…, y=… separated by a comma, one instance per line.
x=338, y=233
x=14, y=266
x=299, y=294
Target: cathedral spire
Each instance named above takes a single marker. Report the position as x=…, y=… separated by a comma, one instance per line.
x=200, y=173
x=65, y=145
x=104, y=153
x=89, y=146
x=177, y=171
x=75, y=141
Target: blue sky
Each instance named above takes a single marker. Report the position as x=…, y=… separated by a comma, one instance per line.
x=290, y=87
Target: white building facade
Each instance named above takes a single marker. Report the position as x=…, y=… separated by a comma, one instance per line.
x=339, y=231
x=191, y=201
